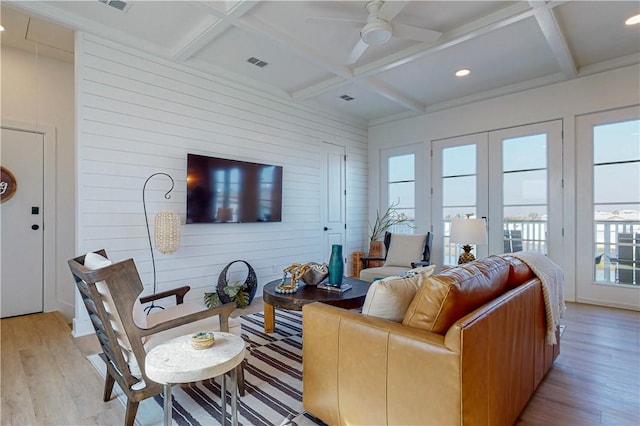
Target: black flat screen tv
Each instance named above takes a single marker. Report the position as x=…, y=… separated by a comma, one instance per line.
x=220, y=190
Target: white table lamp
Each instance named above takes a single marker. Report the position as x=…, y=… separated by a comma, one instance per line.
x=468, y=232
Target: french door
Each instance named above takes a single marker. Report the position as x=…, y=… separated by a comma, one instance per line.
x=510, y=177
x=608, y=219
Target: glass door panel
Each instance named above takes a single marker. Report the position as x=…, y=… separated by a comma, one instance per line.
x=616, y=202
x=401, y=187
x=524, y=193
x=457, y=177
x=523, y=189
x=608, y=209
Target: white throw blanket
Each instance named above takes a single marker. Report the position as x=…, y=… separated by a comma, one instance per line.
x=552, y=280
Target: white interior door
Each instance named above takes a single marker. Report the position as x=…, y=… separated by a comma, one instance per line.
x=22, y=153
x=333, y=201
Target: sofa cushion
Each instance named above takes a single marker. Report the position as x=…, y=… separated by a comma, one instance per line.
x=405, y=249
x=389, y=298
x=444, y=298
x=519, y=272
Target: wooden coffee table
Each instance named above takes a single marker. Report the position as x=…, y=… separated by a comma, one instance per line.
x=350, y=299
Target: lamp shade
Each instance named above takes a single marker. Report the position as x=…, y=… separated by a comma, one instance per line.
x=468, y=231
x=167, y=231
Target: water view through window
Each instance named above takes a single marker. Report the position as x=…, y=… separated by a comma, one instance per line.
x=616, y=202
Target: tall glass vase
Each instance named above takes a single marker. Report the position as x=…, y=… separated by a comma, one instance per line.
x=336, y=266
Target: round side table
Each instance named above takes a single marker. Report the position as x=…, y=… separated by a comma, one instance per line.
x=176, y=361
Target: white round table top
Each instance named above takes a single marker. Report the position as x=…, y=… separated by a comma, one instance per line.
x=176, y=361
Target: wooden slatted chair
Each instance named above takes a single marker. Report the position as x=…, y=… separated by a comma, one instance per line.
x=110, y=293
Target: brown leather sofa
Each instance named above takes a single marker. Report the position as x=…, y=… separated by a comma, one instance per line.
x=479, y=364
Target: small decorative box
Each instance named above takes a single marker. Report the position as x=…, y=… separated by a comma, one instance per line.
x=202, y=340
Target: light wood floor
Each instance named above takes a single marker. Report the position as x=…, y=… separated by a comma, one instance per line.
x=47, y=380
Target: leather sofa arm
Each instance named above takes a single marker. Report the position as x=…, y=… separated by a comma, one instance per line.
x=364, y=369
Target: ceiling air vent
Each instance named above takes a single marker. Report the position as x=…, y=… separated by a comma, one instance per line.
x=257, y=62
x=118, y=4
x=346, y=98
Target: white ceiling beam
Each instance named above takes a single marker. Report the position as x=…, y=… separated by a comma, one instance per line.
x=391, y=94
x=499, y=19
x=212, y=27
x=555, y=38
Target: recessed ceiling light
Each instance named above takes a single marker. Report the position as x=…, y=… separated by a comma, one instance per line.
x=463, y=72
x=634, y=20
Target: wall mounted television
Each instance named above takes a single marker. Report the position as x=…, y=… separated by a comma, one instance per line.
x=221, y=190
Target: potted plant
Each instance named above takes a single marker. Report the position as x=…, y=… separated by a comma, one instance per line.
x=382, y=224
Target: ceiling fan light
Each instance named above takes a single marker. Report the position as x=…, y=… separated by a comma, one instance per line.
x=375, y=33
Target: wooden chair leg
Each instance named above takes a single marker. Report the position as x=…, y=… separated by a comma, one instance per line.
x=130, y=414
x=109, y=381
x=240, y=376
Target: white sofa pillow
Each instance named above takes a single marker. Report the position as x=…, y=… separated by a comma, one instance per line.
x=389, y=298
x=405, y=249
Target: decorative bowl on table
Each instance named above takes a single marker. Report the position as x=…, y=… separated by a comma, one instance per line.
x=202, y=340
x=316, y=273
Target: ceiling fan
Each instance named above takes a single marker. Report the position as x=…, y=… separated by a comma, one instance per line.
x=377, y=28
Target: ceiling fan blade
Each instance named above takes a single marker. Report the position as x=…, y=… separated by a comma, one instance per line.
x=357, y=51
x=390, y=9
x=324, y=20
x=415, y=33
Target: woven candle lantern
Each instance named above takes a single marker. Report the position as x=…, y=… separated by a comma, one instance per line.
x=167, y=231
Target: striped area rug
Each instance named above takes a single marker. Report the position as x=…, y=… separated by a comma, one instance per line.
x=273, y=382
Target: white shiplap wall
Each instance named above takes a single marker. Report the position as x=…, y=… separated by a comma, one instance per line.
x=138, y=114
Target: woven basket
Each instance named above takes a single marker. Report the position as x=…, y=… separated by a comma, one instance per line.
x=250, y=284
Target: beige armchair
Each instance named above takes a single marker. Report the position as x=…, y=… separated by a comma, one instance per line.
x=110, y=293
x=402, y=253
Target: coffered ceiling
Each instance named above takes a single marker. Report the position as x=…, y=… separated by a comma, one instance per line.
x=314, y=54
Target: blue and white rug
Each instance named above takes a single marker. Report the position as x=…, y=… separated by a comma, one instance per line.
x=273, y=382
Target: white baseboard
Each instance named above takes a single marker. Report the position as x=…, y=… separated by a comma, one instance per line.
x=82, y=328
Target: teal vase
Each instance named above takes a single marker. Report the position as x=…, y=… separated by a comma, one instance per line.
x=336, y=266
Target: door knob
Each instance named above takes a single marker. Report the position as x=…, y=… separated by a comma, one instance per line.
x=327, y=229
x=35, y=227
